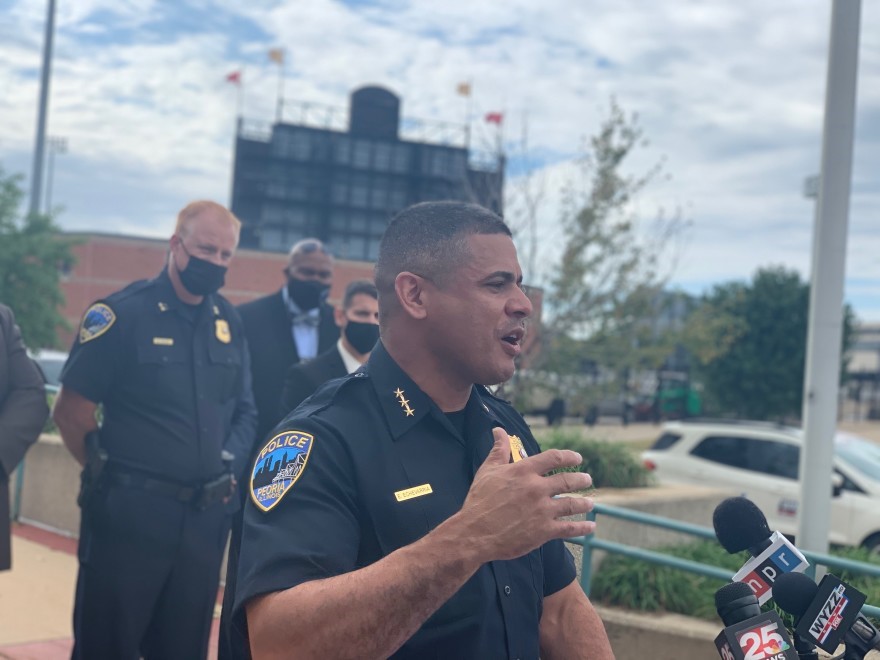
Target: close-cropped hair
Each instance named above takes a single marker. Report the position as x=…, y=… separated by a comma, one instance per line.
x=430, y=240
x=358, y=287
x=195, y=209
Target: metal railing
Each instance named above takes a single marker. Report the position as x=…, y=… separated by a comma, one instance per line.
x=590, y=543
x=15, y=511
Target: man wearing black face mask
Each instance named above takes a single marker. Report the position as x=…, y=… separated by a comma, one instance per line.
x=358, y=321
x=289, y=326
x=168, y=360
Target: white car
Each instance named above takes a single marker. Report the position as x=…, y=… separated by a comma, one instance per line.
x=761, y=461
x=50, y=362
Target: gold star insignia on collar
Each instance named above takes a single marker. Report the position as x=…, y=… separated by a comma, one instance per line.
x=404, y=403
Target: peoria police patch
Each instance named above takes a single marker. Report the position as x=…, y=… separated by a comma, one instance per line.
x=279, y=464
x=96, y=321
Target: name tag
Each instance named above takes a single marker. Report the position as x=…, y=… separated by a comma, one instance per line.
x=415, y=491
x=163, y=341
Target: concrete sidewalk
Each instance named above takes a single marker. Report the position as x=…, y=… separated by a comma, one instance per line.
x=36, y=597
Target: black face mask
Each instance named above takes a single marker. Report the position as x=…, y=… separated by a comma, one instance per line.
x=362, y=336
x=307, y=294
x=201, y=277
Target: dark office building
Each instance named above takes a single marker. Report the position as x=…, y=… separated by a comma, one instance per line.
x=298, y=180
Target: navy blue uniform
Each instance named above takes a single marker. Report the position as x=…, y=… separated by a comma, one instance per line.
x=370, y=464
x=174, y=381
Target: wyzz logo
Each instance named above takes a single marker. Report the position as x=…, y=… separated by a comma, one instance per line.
x=831, y=614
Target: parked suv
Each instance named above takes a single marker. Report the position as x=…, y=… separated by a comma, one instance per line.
x=761, y=461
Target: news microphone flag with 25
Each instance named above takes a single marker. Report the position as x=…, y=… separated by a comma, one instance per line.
x=761, y=637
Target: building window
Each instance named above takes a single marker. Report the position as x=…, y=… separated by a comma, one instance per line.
x=342, y=150
x=361, y=155
x=379, y=192
x=382, y=156
x=340, y=192
x=359, y=190
x=400, y=158
x=297, y=218
x=358, y=221
x=272, y=238
x=397, y=198
x=338, y=223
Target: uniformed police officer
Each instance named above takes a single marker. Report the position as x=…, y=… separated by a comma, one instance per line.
x=168, y=361
x=404, y=511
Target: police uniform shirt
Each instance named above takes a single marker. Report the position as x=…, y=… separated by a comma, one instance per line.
x=370, y=464
x=174, y=380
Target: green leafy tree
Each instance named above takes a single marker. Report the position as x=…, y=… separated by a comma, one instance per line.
x=750, y=342
x=603, y=299
x=32, y=253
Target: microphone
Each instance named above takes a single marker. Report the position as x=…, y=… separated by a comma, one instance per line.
x=740, y=525
x=828, y=613
x=749, y=633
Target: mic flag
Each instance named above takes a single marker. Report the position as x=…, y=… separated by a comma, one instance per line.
x=749, y=633
x=761, y=637
x=760, y=572
x=831, y=613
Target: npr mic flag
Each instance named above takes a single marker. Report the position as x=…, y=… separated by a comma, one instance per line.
x=760, y=572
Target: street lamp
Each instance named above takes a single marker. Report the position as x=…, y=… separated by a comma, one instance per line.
x=56, y=145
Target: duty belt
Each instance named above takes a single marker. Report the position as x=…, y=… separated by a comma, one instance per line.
x=201, y=496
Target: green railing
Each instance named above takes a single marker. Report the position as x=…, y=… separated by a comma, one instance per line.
x=590, y=543
x=15, y=511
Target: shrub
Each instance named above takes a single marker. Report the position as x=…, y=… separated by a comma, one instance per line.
x=639, y=585
x=610, y=464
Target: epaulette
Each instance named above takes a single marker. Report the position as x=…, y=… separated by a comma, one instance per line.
x=327, y=393
x=127, y=292
x=485, y=390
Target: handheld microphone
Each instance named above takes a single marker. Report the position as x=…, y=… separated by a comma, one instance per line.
x=740, y=525
x=828, y=613
x=749, y=633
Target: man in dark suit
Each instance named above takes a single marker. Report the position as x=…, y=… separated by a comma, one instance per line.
x=358, y=322
x=23, y=411
x=288, y=326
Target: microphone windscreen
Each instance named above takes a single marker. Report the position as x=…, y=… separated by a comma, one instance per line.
x=739, y=524
x=736, y=602
x=794, y=592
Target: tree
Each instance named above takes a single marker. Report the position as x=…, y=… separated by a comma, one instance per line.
x=607, y=291
x=750, y=342
x=603, y=301
x=31, y=255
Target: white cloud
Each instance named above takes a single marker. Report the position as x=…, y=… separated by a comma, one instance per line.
x=731, y=93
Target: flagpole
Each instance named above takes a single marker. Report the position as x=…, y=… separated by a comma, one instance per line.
x=280, y=105
x=239, y=98
x=469, y=108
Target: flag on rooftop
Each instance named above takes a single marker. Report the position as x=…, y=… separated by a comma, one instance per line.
x=276, y=55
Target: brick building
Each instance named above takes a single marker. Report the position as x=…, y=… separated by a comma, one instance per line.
x=107, y=262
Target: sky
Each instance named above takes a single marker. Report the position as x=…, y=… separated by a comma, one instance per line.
x=729, y=94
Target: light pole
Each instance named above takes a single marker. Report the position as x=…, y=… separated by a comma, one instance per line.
x=55, y=145
x=39, y=147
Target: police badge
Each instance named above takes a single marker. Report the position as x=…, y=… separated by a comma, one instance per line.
x=96, y=321
x=279, y=464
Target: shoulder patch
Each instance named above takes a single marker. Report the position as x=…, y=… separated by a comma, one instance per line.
x=278, y=466
x=96, y=321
